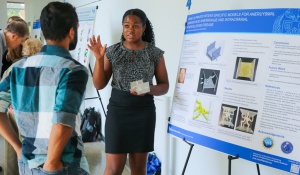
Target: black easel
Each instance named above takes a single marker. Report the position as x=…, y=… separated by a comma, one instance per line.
x=188, y=157
x=97, y=94
x=88, y=4
x=236, y=157
x=101, y=135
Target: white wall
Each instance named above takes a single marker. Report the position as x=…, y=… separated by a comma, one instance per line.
x=3, y=14
x=168, y=18
x=33, y=9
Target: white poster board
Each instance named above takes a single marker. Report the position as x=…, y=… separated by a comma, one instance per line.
x=86, y=16
x=238, y=89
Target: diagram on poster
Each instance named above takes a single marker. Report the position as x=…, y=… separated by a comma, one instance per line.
x=238, y=85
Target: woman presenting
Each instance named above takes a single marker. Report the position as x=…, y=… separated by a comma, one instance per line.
x=130, y=122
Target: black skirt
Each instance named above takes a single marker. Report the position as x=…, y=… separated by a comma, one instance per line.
x=130, y=123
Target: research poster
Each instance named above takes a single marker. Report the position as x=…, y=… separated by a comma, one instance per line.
x=238, y=87
x=86, y=16
x=36, y=30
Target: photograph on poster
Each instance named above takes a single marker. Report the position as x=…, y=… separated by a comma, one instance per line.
x=208, y=81
x=213, y=51
x=201, y=110
x=245, y=68
x=228, y=116
x=246, y=120
x=181, y=76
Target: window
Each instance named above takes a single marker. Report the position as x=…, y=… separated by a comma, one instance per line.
x=16, y=9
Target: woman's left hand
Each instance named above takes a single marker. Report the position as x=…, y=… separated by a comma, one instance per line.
x=133, y=92
x=96, y=47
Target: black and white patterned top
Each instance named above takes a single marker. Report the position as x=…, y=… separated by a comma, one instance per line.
x=132, y=65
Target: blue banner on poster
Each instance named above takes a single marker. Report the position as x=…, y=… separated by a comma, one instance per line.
x=233, y=149
x=245, y=21
x=36, y=25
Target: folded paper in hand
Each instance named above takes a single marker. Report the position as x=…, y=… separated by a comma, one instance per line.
x=140, y=87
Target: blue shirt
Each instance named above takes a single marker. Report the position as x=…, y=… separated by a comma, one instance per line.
x=46, y=88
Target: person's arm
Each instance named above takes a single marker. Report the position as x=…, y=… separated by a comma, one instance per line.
x=69, y=95
x=60, y=135
x=102, y=70
x=162, y=80
x=6, y=129
x=102, y=73
x=9, y=134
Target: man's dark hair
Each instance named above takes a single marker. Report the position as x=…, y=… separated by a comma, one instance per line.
x=57, y=19
x=18, y=27
x=148, y=35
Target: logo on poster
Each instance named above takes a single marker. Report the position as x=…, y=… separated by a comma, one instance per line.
x=287, y=147
x=268, y=142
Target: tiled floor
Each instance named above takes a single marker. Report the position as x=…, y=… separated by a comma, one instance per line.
x=94, y=153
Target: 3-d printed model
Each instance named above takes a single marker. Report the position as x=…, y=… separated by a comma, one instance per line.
x=140, y=87
x=247, y=120
x=200, y=110
x=246, y=69
x=212, y=52
x=210, y=82
x=227, y=117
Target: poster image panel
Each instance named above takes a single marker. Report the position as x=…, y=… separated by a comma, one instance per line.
x=245, y=68
x=201, y=110
x=246, y=120
x=228, y=116
x=214, y=50
x=181, y=76
x=208, y=81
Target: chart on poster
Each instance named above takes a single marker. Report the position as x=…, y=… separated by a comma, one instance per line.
x=238, y=85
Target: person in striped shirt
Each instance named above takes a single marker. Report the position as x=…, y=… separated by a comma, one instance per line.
x=46, y=91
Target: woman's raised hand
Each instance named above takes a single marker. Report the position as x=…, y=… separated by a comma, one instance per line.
x=96, y=47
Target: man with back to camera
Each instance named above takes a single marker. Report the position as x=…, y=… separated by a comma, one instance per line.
x=46, y=91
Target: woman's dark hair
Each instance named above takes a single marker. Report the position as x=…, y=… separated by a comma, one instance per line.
x=57, y=19
x=148, y=35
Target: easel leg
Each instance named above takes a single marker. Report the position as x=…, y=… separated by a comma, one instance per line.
x=188, y=157
x=97, y=93
x=258, y=171
x=229, y=162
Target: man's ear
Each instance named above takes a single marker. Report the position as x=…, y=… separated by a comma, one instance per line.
x=14, y=36
x=71, y=33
